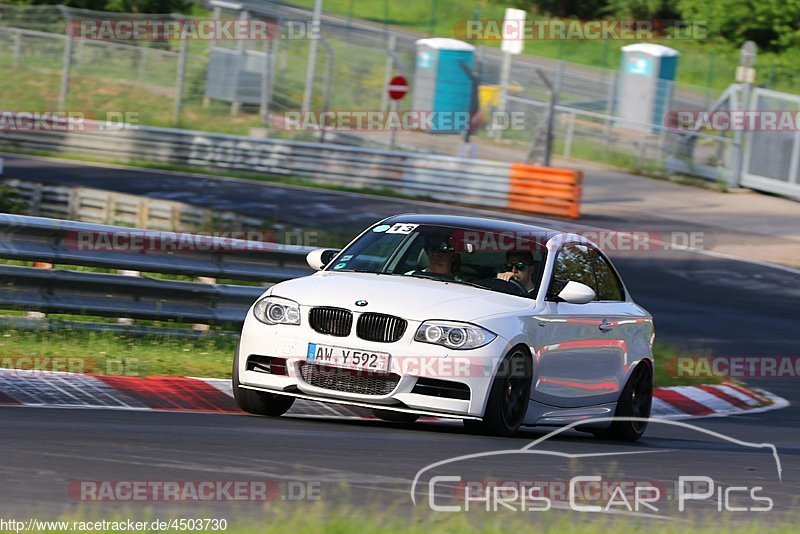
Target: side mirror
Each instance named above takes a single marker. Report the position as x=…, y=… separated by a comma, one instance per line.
x=576, y=293
x=318, y=258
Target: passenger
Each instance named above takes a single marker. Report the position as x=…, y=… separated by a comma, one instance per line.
x=443, y=261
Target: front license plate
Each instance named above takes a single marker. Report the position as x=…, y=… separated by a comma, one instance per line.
x=349, y=358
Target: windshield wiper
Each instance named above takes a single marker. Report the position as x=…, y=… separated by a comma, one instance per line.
x=364, y=271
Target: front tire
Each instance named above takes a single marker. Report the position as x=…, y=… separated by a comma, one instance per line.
x=509, y=397
x=636, y=400
x=258, y=402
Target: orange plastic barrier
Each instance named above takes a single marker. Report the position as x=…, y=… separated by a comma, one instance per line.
x=545, y=190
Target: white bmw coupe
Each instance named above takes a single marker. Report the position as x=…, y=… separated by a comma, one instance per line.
x=499, y=324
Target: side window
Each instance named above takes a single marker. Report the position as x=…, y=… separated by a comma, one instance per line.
x=609, y=286
x=573, y=263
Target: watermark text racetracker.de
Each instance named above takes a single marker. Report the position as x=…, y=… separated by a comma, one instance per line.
x=27, y=367
x=740, y=120
x=532, y=29
x=202, y=242
x=165, y=29
x=409, y=120
x=734, y=366
x=66, y=121
x=635, y=240
x=266, y=490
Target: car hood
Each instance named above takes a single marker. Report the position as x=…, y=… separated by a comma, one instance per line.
x=411, y=298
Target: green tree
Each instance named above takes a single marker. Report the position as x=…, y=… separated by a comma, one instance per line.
x=772, y=24
x=10, y=201
x=575, y=9
x=128, y=6
x=643, y=9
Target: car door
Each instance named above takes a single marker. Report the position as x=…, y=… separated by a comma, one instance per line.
x=581, y=350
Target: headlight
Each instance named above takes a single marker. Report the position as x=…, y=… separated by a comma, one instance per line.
x=459, y=336
x=277, y=310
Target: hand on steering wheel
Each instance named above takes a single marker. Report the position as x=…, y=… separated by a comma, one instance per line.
x=509, y=277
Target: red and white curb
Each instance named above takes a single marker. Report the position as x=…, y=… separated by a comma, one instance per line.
x=70, y=390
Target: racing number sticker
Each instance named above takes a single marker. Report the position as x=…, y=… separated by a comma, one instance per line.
x=401, y=228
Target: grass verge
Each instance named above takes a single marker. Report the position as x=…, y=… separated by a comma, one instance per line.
x=111, y=353
x=116, y=353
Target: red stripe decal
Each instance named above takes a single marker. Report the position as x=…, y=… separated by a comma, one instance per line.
x=739, y=403
x=682, y=402
x=173, y=393
x=752, y=394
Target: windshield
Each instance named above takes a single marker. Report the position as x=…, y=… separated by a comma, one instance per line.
x=502, y=261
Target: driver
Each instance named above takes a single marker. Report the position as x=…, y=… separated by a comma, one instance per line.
x=519, y=270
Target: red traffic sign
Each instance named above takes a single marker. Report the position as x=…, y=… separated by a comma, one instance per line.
x=398, y=87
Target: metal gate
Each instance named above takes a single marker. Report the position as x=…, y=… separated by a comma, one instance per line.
x=771, y=158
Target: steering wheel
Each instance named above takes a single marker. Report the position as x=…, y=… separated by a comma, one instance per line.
x=518, y=285
x=512, y=287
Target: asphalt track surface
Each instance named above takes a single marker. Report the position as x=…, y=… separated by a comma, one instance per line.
x=700, y=303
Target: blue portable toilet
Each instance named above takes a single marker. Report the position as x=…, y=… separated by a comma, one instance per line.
x=646, y=83
x=441, y=85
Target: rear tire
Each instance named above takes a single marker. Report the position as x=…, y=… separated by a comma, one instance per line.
x=636, y=400
x=509, y=397
x=395, y=417
x=258, y=402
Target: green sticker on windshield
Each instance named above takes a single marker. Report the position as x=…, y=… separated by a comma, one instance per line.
x=381, y=228
x=340, y=266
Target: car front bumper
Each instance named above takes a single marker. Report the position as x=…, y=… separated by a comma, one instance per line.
x=410, y=360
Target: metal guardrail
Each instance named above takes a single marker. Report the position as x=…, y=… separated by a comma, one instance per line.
x=467, y=181
x=68, y=243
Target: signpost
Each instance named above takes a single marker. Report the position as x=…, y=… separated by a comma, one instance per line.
x=745, y=75
x=512, y=44
x=397, y=89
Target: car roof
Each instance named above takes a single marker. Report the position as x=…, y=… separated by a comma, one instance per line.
x=474, y=223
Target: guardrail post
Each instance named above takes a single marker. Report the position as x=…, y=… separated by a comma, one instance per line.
x=17, y=46
x=127, y=321
x=312, y=58
x=35, y=206
x=330, y=57
x=611, y=98
x=73, y=204
x=387, y=74
x=142, y=63
x=266, y=75
x=211, y=45
x=236, y=104
x=143, y=214
x=110, y=209
x=37, y=315
x=569, y=135
x=202, y=327
x=176, y=111
x=662, y=145
x=640, y=145
x=63, y=93
x=505, y=73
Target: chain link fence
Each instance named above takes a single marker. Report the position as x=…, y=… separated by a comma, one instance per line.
x=231, y=86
